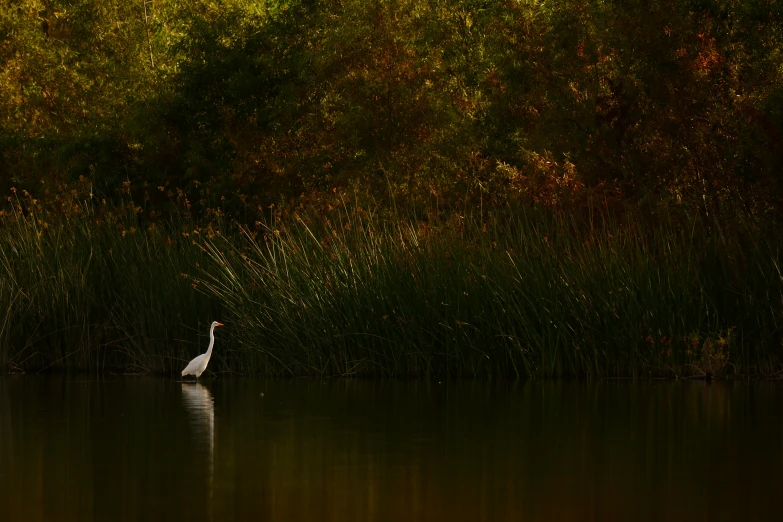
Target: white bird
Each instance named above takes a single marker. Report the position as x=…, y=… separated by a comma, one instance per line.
x=199, y=364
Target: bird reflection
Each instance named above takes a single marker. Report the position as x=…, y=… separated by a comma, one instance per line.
x=201, y=407
x=199, y=403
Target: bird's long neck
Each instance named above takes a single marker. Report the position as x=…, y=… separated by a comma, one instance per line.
x=211, y=342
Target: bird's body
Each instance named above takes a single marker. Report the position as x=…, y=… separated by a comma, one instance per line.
x=196, y=366
x=199, y=364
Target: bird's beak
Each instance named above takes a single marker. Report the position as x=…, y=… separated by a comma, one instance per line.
x=220, y=324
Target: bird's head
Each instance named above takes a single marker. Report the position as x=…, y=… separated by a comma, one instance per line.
x=217, y=323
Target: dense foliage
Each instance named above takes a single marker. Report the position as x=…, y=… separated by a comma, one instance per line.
x=445, y=101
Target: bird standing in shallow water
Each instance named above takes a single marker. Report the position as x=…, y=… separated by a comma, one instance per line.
x=199, y=364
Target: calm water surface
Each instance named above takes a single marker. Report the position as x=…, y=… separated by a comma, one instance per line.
x=154, y=449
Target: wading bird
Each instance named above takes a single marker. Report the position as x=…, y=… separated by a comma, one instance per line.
x=199, y=364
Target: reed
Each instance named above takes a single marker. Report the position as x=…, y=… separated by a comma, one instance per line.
x=532, y=293
x=83, y=288
x=523, y=293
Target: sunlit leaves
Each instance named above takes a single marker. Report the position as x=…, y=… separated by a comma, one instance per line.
x=409, y=99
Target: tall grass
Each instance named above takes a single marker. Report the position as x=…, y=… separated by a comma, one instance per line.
x=352, y=292
x=84, y=289
x=536, y=294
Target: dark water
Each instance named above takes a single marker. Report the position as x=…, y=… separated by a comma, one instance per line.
x=153, y=449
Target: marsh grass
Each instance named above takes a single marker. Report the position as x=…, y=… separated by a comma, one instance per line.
x=533, y=294
x=356, y=292
x=82, y=288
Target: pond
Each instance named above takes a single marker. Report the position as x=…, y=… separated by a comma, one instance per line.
x=144, y=448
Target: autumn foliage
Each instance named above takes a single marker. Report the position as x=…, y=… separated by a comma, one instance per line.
x=450, y=103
